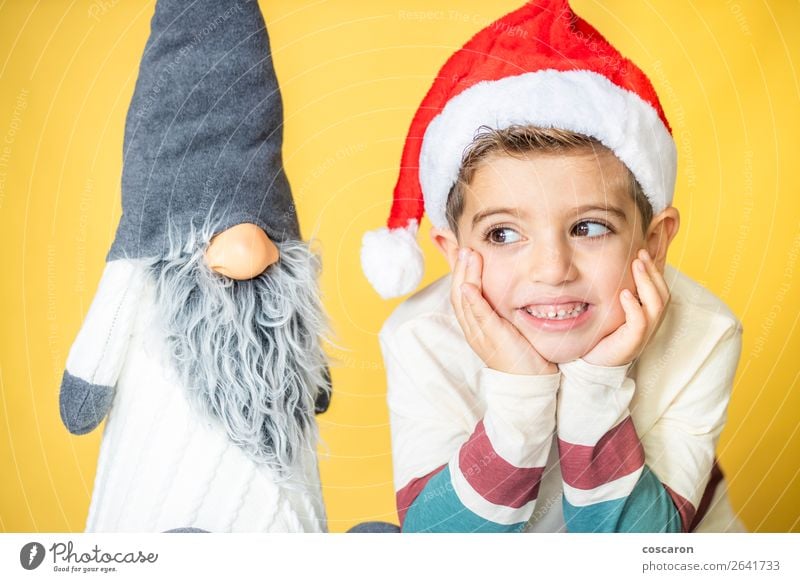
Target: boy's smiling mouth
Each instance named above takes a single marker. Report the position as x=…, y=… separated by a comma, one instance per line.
x=569, y=310
x=556, y=313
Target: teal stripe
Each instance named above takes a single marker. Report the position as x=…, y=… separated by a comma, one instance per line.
x=648, y=508
x=438, y=509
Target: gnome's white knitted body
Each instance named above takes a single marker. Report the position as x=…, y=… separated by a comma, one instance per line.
x=164, y=464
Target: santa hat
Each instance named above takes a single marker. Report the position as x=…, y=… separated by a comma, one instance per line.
x=540, y=65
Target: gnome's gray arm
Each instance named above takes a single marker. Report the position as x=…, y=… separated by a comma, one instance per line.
x=98, y=353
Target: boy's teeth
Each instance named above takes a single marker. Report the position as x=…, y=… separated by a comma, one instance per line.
x=573, y=310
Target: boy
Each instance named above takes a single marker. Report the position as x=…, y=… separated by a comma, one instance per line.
x=562, y=378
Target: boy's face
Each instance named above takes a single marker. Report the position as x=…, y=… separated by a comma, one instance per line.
x=557, y=234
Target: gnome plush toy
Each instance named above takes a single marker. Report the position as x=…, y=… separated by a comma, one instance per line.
x=203, y=342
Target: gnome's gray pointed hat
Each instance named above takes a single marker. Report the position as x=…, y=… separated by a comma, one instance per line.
x=204, y=130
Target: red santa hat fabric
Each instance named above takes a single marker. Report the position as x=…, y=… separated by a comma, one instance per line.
x=540, y=65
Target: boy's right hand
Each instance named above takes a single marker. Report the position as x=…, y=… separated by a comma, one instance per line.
x=496, y=341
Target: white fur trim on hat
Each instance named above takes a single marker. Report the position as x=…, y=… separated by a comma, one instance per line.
x=579, y=101
x=392, y=260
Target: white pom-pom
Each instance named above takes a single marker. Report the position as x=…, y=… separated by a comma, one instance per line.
x=392, y=260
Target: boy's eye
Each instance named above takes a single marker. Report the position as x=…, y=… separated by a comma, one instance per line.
x=503, y=236
x=590, y=229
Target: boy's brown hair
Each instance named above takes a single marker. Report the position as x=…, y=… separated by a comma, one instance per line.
x=522, y=140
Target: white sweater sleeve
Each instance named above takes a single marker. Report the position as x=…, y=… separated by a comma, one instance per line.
x=490, y=431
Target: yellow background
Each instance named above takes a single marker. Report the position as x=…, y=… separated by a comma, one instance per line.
x=352, y=74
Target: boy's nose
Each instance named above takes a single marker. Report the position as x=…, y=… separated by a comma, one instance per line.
x=553, y=264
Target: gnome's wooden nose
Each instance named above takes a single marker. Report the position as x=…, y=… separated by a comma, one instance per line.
x=241, y=252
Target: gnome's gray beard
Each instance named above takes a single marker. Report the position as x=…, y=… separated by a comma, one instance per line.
x=249, y=352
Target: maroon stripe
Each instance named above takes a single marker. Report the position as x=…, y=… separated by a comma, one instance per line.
x=708, y=495
x=616, y=454
x=406, y=496
x=494, y=478
x=684, y=507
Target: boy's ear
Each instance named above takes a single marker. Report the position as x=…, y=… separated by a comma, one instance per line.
x=445, y=239
x=660, y=233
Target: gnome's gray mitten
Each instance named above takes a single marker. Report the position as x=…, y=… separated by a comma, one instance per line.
x=83, y=405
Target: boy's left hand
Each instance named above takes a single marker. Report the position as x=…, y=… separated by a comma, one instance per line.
x=641, y=320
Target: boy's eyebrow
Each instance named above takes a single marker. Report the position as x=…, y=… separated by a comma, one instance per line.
x=489, y=211
x=605, y=208
x=615, y=210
